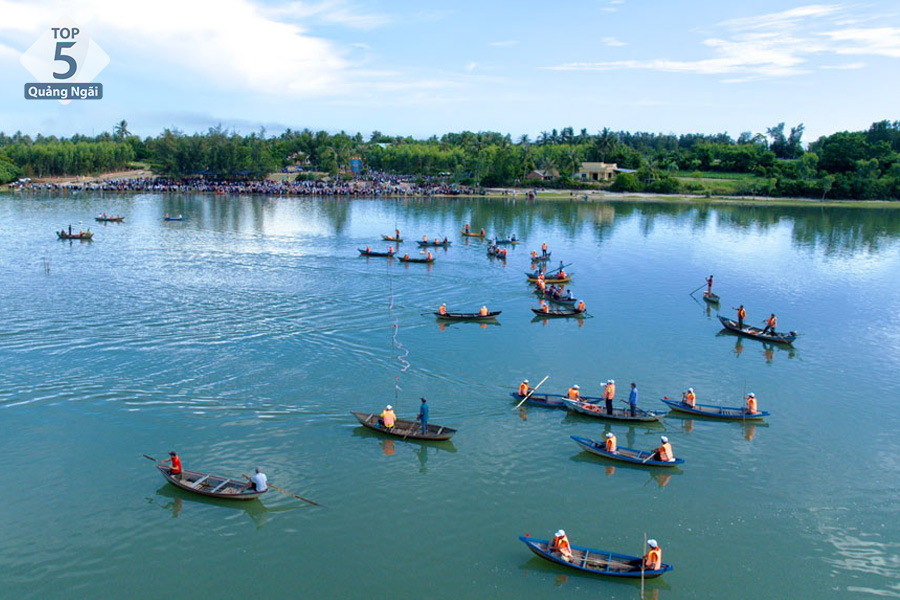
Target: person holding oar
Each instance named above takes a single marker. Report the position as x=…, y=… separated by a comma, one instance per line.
x=175, y=470
x=633, y=399
x=664, y=452
x=422, y=417
x=709, y=282
x=653, y=558
x=258, y=483
x=560, y=545
x=741, y=314
x=524, y=388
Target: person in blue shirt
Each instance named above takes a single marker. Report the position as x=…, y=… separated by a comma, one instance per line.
x=633, y=399
x=423, y=415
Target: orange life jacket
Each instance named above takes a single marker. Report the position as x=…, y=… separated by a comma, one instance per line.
x=428, y=256
x=581, y=306
x=523, y=389
x=484, y=311
x=424, y=238
x=751, y=404
x=665, y=453
x=406, y=256
x=533, y=254
x=545, y=308
x=388, y=417
x=562, y=274
x=573, y=394
x=691, y=399
x=610, y=392
x=653, y=561
x=742, y=314
x=772, y=322
x=544, y=247
x=611, y=444
x=443, y=309
x=561, y=545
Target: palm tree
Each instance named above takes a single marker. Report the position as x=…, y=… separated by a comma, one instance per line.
x=120, y=131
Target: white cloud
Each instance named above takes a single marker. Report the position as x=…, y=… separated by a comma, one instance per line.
x=471, y=66
x=878, y=41
x=613, y=42
x=505, y=43
x=856, y=65
x=333, y=12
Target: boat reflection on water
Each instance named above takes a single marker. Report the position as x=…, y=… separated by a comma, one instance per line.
x=769, y=352
x=178, y=501
x=688, y=422
x=444, y=325
x=661, y=475
x=538, y=567
x=389, y=449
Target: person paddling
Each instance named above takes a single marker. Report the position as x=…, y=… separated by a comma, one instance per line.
x=422, y=417
x=709, y=282
x=771, y=322
x=560, y=545
x=175, y=469
x=524, y=388
x=653, y=558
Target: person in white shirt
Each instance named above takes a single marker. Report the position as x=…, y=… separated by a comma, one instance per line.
x=259, y=481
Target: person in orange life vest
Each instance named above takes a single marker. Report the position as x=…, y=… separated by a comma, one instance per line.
x=484, y=311
x=544, y=307
x=542, y=285
x=482, y=232
x=175, y=469
x=562, y=274
x=573, y=393
x=742, y=314
x=390, y=249
x=425, y=238
x=443, y=309
x=406, y=257
x=709, y=282
x=437, y=241
x=608, y=394
x=664, y=452
x=653, y=558
x=367, y=249
x=560, y=544
x=771, y=322
x=690, y=398
x=524, y=388
x=580, y=307
x=428, y=256
x=467, y=228
x=388, y=418
x=611, y=443
x=533, y=255
x=544, y=248
x=751, y=404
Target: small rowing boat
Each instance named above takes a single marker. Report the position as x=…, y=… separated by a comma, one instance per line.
x=724, y=413
x=558, y=313
x=470, y=234
x=757, y=333
x=178, y=218
x=630, y=455
x=407, y=259
x=618, y=414
x=405, y=429
x=506, y=242
x=213, y=486
x=366, y=252
x=711, y=298
x=444, y=244
x=102, y=219
x=545, y=400
x=449, y=316
x=391, y=238
x=598, y=562
x=538, y=258
x=81, y=235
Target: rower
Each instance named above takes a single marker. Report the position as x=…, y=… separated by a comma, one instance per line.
x=484, y=311
x=428, y=256
x=390, y=249
x=545, y=308
x=709, y=282
x=482, y=232
x=544, y=249
x=397, y=234
x=467, y=228
x=406, y=257
x=388, y=418
x=664, y=452
x=443, y=309
x=771, y=322
x=610, y=444
x=689, y=398
x=580, y=307
x=367, y=249
x=560, y=545
x=524, y=388
x=425, y=238
x=653, y=558
x=751, y=404
x=175, y=469
x=573, y=393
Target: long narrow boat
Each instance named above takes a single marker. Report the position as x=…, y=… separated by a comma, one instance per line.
x=559, y=313
x=470, y=234
x=711, y=298
x=450, y=316
x=444, y=244
x=178, y=218
x=507, y=242
x=545, y=400
x=213, y=486
x=629, y=455
x=541, y=258
x=618, y=414
x=102, y=219
x=598, y=562
x=405, y=429
x=84, y=235
x=757, y=333
x=416, y=260
x=725, y=413
x=365, y=252
x=391, y=238
x=554, y=299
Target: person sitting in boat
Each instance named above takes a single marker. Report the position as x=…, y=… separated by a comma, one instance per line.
x=524, y=388
x=446, y=241
x=443, y=309
x=611, y=443
x=664, y=452
x=580, y=307
x=741, y=314
x=436, y=241
x=771, y=322
x=406, y=257
x=175, y=469
x=484, y=311
x=425, y=238
x=561, y=274
x=751, y=404
x=689, y=398
x=541, y=284
x=368, y=249
x=544, y=307
x=258, y=483
x=653, y=558
x=533, y=255
x=513, y=238
x=560, y=545
x=709, y=282
x=167, y=215
x=573, y=393
x=390, y=249
x=388, y=418
x=428, y=256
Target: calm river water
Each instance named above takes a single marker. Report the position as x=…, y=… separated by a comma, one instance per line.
x=245, y=334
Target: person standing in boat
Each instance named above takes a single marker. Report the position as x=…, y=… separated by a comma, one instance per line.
x=751, y=404
x=709, y=282
x=653, y=558
x=423, y=415
x=524, y=388
x=175, y=469
x=560, y=545
x=633, y=399
x=771, y=322
x=258, y=483
x=467, y=228
x=609, y=394
x=741, y=314
x=388, y=418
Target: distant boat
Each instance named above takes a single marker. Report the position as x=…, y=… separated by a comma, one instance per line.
x=545, y=400
x=178, y=218
x=81, y=235
x=477, y=316
x=470, y=234
x=105, y=219
x=757, y=333
x=404, y=428
x=213, y=486
x=618, y=414
x=559, y=313
x=406, y=259
x=444, y=244
x=598, y=562
x=367, y=252
x=629, y=455
x=711, y=298
x=391, y=238
x=725, y=413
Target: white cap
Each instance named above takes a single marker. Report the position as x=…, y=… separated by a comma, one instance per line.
x=652, y=543
x=664, y=439
x=560, y=533
x=612, y=380
x=575, y=386
x=752, y=395
x=389, y=407
x=609, y=434
x=524, y=381
x=690, y=389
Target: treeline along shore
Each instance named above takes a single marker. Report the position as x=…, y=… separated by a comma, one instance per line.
x=848, y=165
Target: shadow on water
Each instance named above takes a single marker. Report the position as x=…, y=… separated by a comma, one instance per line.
x=179, y=500
x=769, y=349
x=661, y=475
x=545, y=567
x=365, y=432
x=687, y=422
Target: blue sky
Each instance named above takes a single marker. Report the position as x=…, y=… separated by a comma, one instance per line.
x=422, y=68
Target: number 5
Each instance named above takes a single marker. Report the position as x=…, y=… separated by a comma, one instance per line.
x=73, y=66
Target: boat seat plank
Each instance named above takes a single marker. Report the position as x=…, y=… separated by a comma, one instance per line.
x=199, y=482
x=220, y=486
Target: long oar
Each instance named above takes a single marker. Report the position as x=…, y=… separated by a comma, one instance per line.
x=642, y=565
x=151, y=458
x=697, y=290
x=294, y=495
x=531, y=392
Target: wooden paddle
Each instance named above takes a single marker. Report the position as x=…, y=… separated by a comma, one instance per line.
x=294, y=495
x=151, y=458
x=531, y=392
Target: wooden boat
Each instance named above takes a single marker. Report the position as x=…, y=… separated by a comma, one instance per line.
x=619, y=414
x=724, y=413
x=545, y=400
x=178, y=218
x=213, y=486
x=445, y=244
x=711, y=298
x=597, y=562
x=630, y=455
x=84, y=235
x=757, y=333
x=450, y=316
x=365, y=252
x=540, y=258
x=391, y=238
x=470, y=234
x=549, y=280
x=559, y=313
x=102, y=219
x=562, y=300
x=405, y=429
x=506, y=242
x=416, y=260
